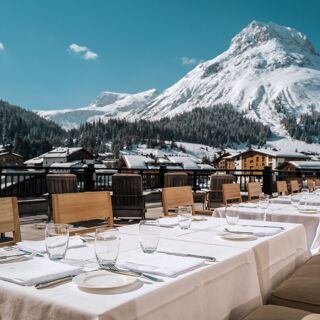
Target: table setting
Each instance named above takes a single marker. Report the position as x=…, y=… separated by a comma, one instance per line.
x=148, y=270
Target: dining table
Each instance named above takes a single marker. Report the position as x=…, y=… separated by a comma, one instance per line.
x=237, y=282
x=283, y=212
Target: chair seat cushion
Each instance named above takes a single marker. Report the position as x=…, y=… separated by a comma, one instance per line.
x=302, y=289
x=270, y=312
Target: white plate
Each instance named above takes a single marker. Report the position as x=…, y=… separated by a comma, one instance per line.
x=248, y=205
x=238, y=237
x=102, y=279
x=168, y=222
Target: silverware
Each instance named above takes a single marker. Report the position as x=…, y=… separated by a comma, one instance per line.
x=190, y=255
x=257, y=226
x=54, y=283
x=239, y=232
x=12, y=256
x=128, y=272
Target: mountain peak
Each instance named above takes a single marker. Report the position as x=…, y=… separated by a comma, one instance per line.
x=259, y=33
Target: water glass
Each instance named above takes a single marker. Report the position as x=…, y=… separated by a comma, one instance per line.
x=264, y=201
x=149, y=235
x=184, y=210
x=57, y=240
x=106, y=244
x=232, y=214
x=295, y=199
x=185, y=220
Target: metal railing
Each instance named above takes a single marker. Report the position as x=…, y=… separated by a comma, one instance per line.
x=31, y=181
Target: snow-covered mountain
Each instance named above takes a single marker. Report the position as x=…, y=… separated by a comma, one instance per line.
x=107, y=105
x=264, y=63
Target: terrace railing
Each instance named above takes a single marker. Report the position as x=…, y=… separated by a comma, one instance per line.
x=26, y=182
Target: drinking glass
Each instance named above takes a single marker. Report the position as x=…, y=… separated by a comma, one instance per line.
x=149, y=235
x=184, y=209
x=106, y=244
x=185, y=220
x=295, y=199
x=57, y=240
x=232, y=214
x=264, y=204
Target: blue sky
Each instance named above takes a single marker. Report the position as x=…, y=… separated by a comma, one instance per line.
x=122, y=45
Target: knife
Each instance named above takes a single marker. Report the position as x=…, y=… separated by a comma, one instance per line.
x=190, y=255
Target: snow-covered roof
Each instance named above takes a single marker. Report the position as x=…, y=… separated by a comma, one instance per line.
x=279, y=154
x=60, y=152
x=306, y=164
x=137, y=162
x=187, y=162
x=65, y=164
x=36, y=160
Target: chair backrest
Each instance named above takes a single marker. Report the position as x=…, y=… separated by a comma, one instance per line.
x=62, y=183
x=282, y=187
x=82, y=206
x=294, y=186
x=254, y=190
x=216, y=182
x=317, y=182
x=175, y=179
x=310, y=184
x=175, y=197
x=127, y=184
x=231, y=192
x=9, y=219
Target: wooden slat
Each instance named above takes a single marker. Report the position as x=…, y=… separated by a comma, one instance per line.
x=294, y=186
x=282, y=187
x=254, y=190
x=84, y=206
x=175, y=197
x=231, y=192
x=9, y=218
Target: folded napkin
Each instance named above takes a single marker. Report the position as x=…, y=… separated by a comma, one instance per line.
x=34, y=271
x=248, y=205
x=40, y=246
x=168, y=222
x=257, y=231
x=160, y=264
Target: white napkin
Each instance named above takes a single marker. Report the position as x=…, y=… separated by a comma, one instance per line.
x=257, y=231
x=248, y=205
x=36, y=271
x=160, y=264
x=168, y=222
x=40, y=246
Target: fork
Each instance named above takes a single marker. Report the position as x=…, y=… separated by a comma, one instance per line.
x=115, y=269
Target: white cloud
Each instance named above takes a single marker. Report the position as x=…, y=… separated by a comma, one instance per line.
x=90, y=55
x=190, y=61
x=76, y=48
x=2, y=47
x=83, y=51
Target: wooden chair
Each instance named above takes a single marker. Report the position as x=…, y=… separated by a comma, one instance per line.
x=310, y=184
x=82, y=208
x=214, y=195
x=282, y=187
x=128, y=200
x=174, y=197
x=9, y=220
x=231, y=192
x=317, y=182
x=60, y=183
x=175, y=179
x=294, y=186
x=254, y=190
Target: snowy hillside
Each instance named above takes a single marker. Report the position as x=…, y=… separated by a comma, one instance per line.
x=107, y=105
x=267, y=71
x=264, y=63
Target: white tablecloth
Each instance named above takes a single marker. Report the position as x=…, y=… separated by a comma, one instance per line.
x=224, y=290
x=285, y=213
x=313, y=200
